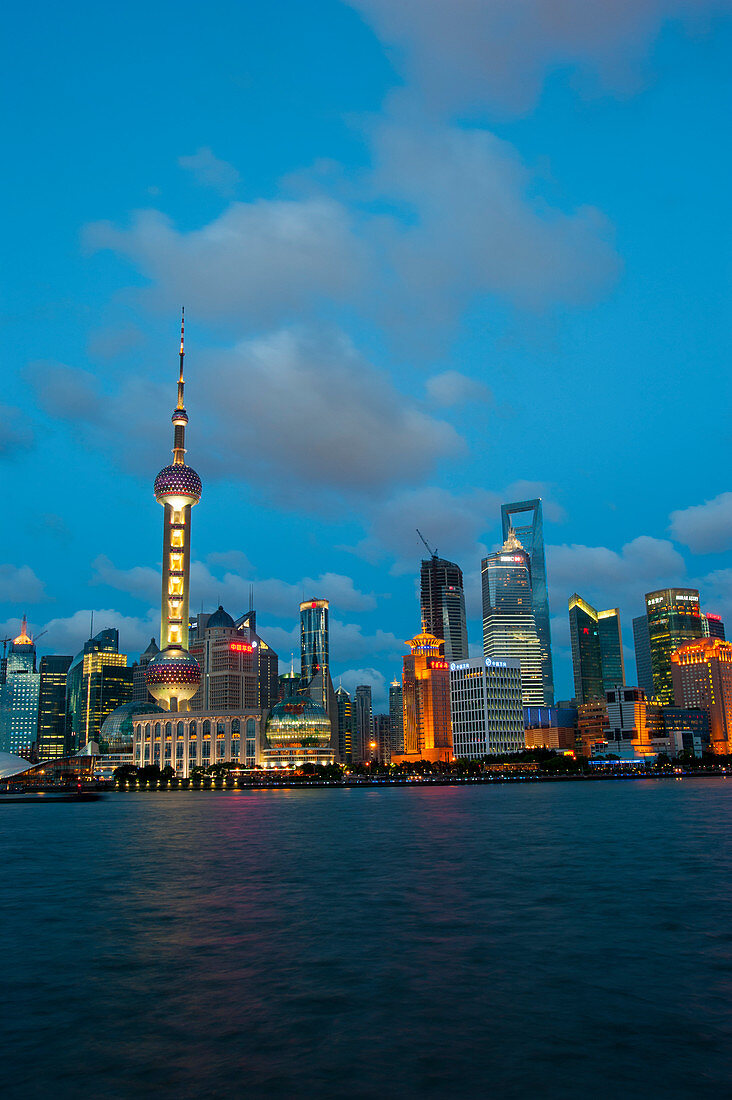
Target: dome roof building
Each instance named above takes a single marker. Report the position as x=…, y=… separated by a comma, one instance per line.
x=220, y=620
x=298, y=731
x=115, y=735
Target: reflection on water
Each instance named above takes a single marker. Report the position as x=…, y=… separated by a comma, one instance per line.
x=543, y=940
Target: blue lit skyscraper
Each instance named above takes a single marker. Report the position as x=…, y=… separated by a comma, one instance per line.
x=314, y=648
x=19, y=697
x=509, y=627
x=526, y=519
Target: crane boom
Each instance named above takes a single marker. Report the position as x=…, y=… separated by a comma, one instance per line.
x=430, y=551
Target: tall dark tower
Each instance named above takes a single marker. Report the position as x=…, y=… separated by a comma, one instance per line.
x=172, y=675
x=442, y=602
x=526, y=519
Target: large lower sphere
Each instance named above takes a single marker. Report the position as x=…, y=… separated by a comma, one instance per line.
x=173, y=674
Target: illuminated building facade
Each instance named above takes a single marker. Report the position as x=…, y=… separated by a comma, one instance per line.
x=442, y=602
x=426, y=702
x=345, y=725
x=636, y=728
x=396, y=716
x=228, y=663
x=363, y=720
x=97, y=682
x=382, y=739
x=712, y=625
x=298, y=732
x=673, y=619
x=52, y=718
x=592, y=727
x=597, y=649
x=314, y=646
x=642, y=644
x=525, y=518
x=140, y=694
x=509, y=627
x=551, y=727
x=193, y=741
x=486, y=707
x=19, y=697
x=173, y=676
x=266, y=660
x=702, y=678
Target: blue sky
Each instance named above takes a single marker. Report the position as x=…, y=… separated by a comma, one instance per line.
x=433, y=255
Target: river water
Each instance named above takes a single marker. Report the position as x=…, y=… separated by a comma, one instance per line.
x=517, y=940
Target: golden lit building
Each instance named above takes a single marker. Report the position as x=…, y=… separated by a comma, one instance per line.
x=173, y=676
x=426, y=702
x=702, y=677
x=592, y=726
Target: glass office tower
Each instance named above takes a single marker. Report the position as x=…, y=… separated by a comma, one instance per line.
x=442, y=603
x=52, y=719
x=98, y=681
x=509, y=626
x=314, y=648
x=19, y=697
x=526, y=519
x=673, y=619
x=642, y=644
x=597, y=649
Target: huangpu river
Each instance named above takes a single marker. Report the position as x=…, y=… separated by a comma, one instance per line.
x=516, y=940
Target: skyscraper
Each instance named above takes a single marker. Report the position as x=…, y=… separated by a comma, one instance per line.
x=140, y=694
x=314, y=647
x=702, y=677
x=712, y=625
x=642, y=644
x=526, y=519
x=267, y=661
x=396, y=716
x=363, y=721
x=173, y=676
x=485, y=706
x=228, y=663
x=442, y=602
x=673, y=619
x=98, y=681
x=52, y=718
x=597, y=649
x=345, y=725
x=19, y=697
x=509, y=627
x=426, y=699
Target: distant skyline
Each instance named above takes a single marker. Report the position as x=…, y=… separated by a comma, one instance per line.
x=431, y=263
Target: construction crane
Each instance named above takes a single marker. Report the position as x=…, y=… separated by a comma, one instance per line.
x=430, y=551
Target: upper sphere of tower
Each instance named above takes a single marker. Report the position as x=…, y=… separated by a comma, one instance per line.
x=180, y=416
x=178, y=480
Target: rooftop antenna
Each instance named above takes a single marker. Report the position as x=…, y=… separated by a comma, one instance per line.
x=91, y=626
x=433, y=553
x=251, y=597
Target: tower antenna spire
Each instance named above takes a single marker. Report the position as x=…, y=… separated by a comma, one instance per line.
x=180, y=416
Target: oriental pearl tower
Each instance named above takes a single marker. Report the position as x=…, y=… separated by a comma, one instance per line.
x=173, y=676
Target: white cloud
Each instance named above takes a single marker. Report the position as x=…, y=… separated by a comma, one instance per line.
x=453, y=388
x=705, y=528
x=19, y=584
x=608, y=578
x=272, y=595
x=461, y=53
x=307, y=411
x=209, y=170
x=257, y=263
x=16, y=435
x=295, y=410
x=477, y=225
x=353, y=677
x=67, y=635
